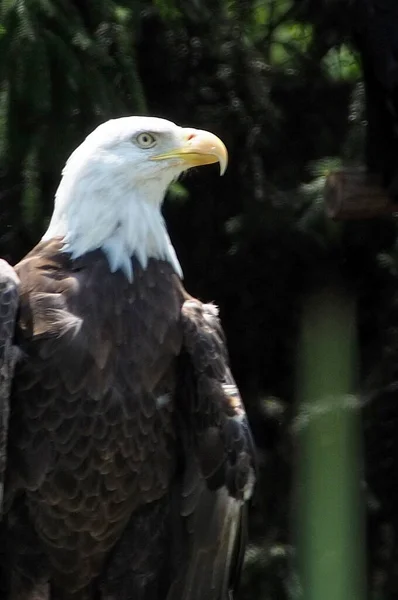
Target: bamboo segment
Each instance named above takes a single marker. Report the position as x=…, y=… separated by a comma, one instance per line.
x=329, y=519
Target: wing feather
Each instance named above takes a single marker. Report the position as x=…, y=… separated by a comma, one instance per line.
x=219, y=461
x=9, y=303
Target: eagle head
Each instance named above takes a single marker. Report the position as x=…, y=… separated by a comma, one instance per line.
x=114, y=183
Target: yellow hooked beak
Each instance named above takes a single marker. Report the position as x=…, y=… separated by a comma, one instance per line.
x=198, y=148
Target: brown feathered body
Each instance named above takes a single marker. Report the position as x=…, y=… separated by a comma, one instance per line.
x=93, y=427
x=129, y=458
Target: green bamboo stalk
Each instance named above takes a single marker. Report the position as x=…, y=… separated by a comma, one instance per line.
x=330, y=524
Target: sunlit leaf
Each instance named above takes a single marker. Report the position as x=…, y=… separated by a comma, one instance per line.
x=341, y=63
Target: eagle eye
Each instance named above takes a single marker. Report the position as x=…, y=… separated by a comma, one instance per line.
x=145, y=140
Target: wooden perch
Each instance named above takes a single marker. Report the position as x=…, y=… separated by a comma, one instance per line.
x=352, y=193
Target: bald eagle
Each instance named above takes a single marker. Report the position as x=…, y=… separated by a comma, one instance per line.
x=126, y=460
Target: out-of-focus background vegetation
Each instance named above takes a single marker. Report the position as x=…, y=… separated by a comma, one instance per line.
x=280, y=82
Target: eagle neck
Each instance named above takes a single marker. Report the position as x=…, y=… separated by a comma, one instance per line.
x=123, y=223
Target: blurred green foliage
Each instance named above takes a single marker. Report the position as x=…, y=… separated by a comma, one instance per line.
x=280, y=83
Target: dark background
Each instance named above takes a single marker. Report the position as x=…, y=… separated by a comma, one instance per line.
x=281, y=82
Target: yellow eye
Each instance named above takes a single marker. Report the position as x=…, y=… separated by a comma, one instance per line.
x=145, y=140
